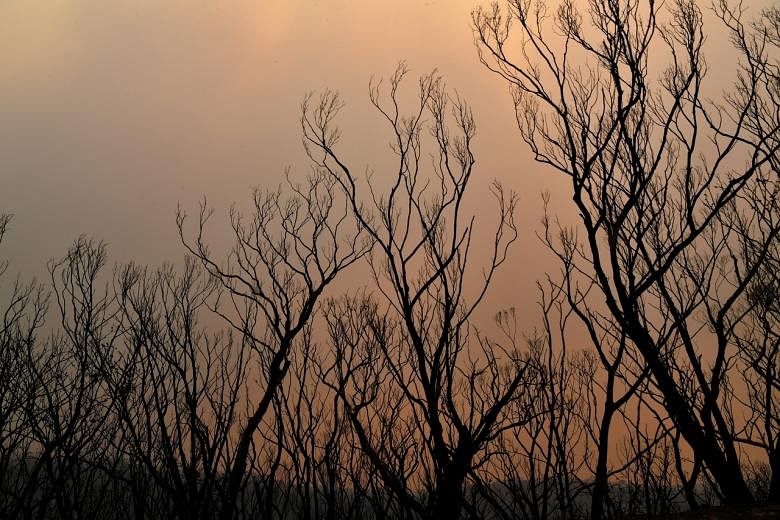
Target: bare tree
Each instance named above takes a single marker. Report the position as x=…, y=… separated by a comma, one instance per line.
x=22, y=319
x=620, y=378
x=757, y=325
x=653, y=167
x=425, y=394
x=60, y=429
x=175, y=390
x=539, y=468
x=285, y=254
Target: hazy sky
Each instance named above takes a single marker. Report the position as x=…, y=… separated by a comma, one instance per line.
x=114, y=111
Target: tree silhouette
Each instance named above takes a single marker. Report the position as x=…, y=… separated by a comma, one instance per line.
x=657, y=173
x=284, y=256
x=251, y=385
x=416, y=375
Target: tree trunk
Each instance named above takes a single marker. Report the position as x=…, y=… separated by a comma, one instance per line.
x=601, y=483
x=774, y=467
x=448, y=502
x=725, y=470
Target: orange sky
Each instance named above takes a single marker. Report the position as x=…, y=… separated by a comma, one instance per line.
x=112, y=112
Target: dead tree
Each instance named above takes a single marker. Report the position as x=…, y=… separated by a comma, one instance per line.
x=653, y=165
x=420, y=364
x=176, y=391
x=755, y=325
x=539, y=470
x=286, y=252
x=22, y=319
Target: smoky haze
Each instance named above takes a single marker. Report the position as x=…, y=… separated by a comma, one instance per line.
x=655, y=290
x=115, y=112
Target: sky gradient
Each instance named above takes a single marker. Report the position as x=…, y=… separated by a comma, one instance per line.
x=115, y=112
